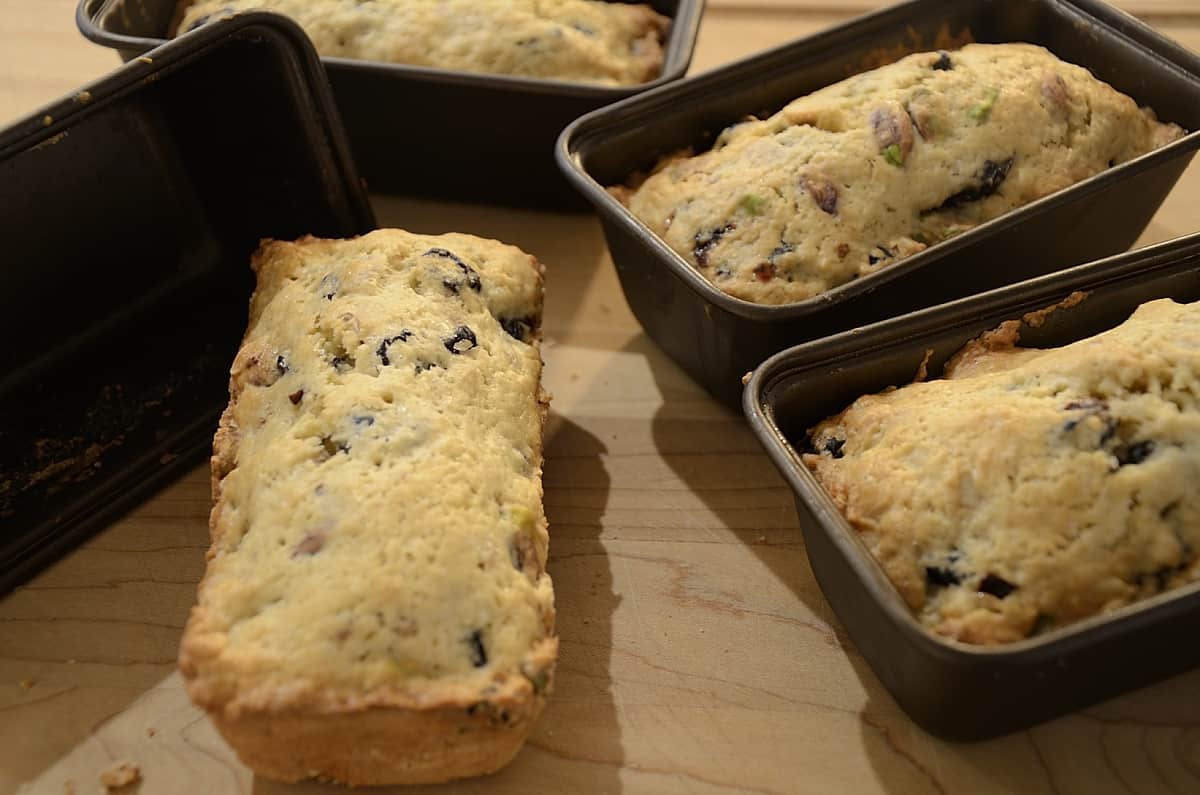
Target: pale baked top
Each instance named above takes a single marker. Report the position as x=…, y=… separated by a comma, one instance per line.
x=578, y=40
x=865, y=172
x=1030, y=488
x=378, y=531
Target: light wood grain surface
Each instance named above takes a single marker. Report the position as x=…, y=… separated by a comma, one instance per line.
x=698, y=655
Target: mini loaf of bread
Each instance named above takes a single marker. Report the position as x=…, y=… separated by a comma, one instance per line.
x=376, y=608
x=865, y=172
x=580, y=40
x=1029, y=489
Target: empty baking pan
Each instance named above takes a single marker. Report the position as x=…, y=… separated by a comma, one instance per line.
x=435, y=132
x=130, y=211
x=956, y=690
x=717, y=338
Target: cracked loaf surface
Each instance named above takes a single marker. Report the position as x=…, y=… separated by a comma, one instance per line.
x=859, y=175
x=1030, y=488
x=579, y=40
x=376, y=607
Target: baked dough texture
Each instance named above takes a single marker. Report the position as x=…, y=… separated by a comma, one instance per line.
x=376, y=608
x=863, y=173
x=578, y=40
x=1029, y=489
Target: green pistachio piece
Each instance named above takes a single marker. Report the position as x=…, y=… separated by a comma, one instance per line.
x=894, y=155
x=753, y=205
x=981, y=111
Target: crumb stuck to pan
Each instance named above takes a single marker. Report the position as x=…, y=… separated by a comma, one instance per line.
x=120, y=777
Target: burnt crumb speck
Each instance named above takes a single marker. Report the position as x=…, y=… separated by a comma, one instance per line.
x=475, y=647
x=939, y=577
x=296, y=397
x=1134, y=453
x=386, y=342
x=471, y=276
x=706, y=241
x=943, y=62
x=996, y=585
x=461, y=341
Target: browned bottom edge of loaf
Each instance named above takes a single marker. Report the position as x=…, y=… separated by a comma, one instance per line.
x=376, y=746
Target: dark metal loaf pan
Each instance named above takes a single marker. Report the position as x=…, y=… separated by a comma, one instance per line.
x=951, y=689
x=717, y=338
x=433, y=132
x=130, y=213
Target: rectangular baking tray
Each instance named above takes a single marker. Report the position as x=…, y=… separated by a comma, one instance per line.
x=130, y=211
x=717, y=338
x=955, y=690
x=434, y=132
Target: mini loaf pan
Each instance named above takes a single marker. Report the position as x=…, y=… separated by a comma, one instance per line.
x=435, y=132
x=130, y=212
x=717, y=338
x=955, y=690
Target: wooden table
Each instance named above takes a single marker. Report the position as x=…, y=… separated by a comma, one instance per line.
x=698, y=655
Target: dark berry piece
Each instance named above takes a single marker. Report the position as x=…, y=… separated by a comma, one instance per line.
x=518, y=328
x=470, y=274
x=461, y=341
x=879, y=254
x=843, y=249
x=281, y=364
x=385, y=343
x=342, y=364
x=422, y=365
x=943, y=63
x=1134, y=453
x=834, y=447
x=941, y=578
x=475, y=647
x=705, y=242
x=364, y=421
x=991, y=177
x=584, y=29
x=996, y=586
x=296, y=397
x=784, y=247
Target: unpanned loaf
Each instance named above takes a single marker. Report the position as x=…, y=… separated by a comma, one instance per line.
x=376, y=607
